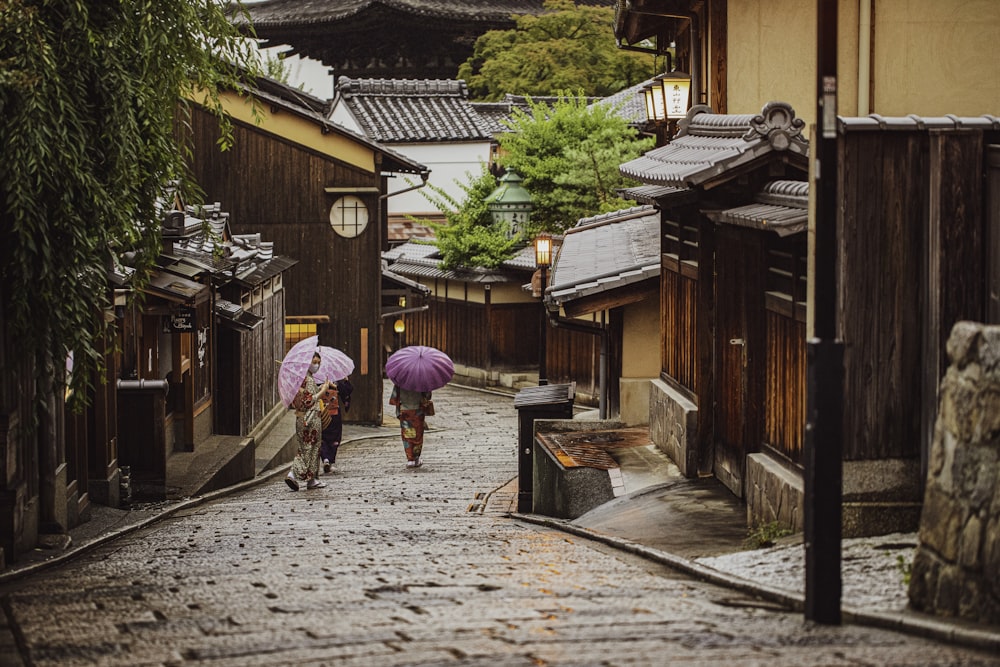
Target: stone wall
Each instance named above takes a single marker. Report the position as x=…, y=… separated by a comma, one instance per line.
x=673, y=426
x=956, y=570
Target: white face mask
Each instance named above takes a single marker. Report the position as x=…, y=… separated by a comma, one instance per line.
x=314, y=368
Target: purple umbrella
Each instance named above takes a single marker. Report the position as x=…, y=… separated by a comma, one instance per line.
x=335, y=365
x=294, y=367
x=419, y=368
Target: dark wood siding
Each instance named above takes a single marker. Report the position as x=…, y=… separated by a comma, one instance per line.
x=575, y=356
x=247, y=383
x=881, y=240
x=739, y=349
x=957, y=229
x=286, y=203
x=508, y=340
x=678, y=322
x=785, y=356
x=785, y=384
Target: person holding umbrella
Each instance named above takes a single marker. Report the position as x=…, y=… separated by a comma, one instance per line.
x=416, y=371
x=412, y=408
x=299, y=391
x=308, y=425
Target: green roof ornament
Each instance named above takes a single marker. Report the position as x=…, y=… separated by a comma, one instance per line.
x=510, y=204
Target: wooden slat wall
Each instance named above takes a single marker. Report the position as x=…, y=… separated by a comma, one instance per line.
x=455, y=328
x=508, y=342
x=247, y=382
x=514, y=332
x=957, y=220
x=880, y=255
x=678, y=325
x=574, y=356
x=785, y=385
x=460, y=329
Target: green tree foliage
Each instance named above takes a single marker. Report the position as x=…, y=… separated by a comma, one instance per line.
x=469, y=237
x=568, y=155
x=89, y=92
x=567, y=48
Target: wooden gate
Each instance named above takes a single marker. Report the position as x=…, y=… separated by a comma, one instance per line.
x=739, y=354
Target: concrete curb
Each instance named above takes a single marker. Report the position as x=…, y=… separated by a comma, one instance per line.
x=953, y=632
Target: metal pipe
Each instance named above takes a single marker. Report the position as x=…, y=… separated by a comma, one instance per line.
x=602, y=382
x=864, y=56
x=424, y=175
x=404, y=311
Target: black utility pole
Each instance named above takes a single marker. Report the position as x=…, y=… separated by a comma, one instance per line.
x=824, y=426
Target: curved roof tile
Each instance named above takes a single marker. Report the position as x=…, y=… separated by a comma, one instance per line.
x=707, y=144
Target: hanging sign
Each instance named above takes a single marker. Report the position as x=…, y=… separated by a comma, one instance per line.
x=180, y=320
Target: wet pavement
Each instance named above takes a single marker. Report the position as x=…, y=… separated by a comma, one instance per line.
x=395, y=566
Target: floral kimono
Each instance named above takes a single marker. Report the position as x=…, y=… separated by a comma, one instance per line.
x=308, y=425
x=410, y=409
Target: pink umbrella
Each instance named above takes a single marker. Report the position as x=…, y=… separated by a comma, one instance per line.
x=419, y=368
x=294, y=367
x=335, y=365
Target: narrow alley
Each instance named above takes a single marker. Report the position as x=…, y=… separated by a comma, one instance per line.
x=396, y=566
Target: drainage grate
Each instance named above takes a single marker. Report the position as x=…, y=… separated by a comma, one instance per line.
x=575, y=449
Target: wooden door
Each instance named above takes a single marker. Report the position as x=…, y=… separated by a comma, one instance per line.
x=739, y=345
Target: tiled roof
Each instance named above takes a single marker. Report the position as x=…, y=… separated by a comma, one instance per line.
x=606, y=252
x=282, y=96
x=493, y=114
x=297, y=12
x=411, y=110
x=402, y=228
x=244, y=257
x=656, y=194
x=709, y=144
x=914, y=122
x=630, y=103
x=421, y=261
x=782, y=207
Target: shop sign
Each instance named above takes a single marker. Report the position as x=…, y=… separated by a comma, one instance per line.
x=180, y=320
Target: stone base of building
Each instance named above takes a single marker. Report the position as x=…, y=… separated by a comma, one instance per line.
x=673, y=426
x=880, y=497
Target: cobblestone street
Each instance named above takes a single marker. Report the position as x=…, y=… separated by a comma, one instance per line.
x=396, y=566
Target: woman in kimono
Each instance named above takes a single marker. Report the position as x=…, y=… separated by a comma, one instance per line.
x=308, y=425
x=411, y=409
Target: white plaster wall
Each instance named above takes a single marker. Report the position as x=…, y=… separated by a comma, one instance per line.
x=341, y=116
x=447, y=162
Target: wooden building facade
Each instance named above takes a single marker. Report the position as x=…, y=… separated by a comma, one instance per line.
x=732, y=288
x=489, y=321
x=916, y=202
x=915, y=251
x=318, y=192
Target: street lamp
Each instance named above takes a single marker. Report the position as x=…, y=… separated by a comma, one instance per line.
x=667, y=100
x=510, y=203
x=398, y=327
x=543, y=260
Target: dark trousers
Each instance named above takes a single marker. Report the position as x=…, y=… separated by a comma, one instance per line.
x=330, y=440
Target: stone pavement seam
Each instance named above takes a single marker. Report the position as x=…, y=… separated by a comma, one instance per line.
x=941, y=630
